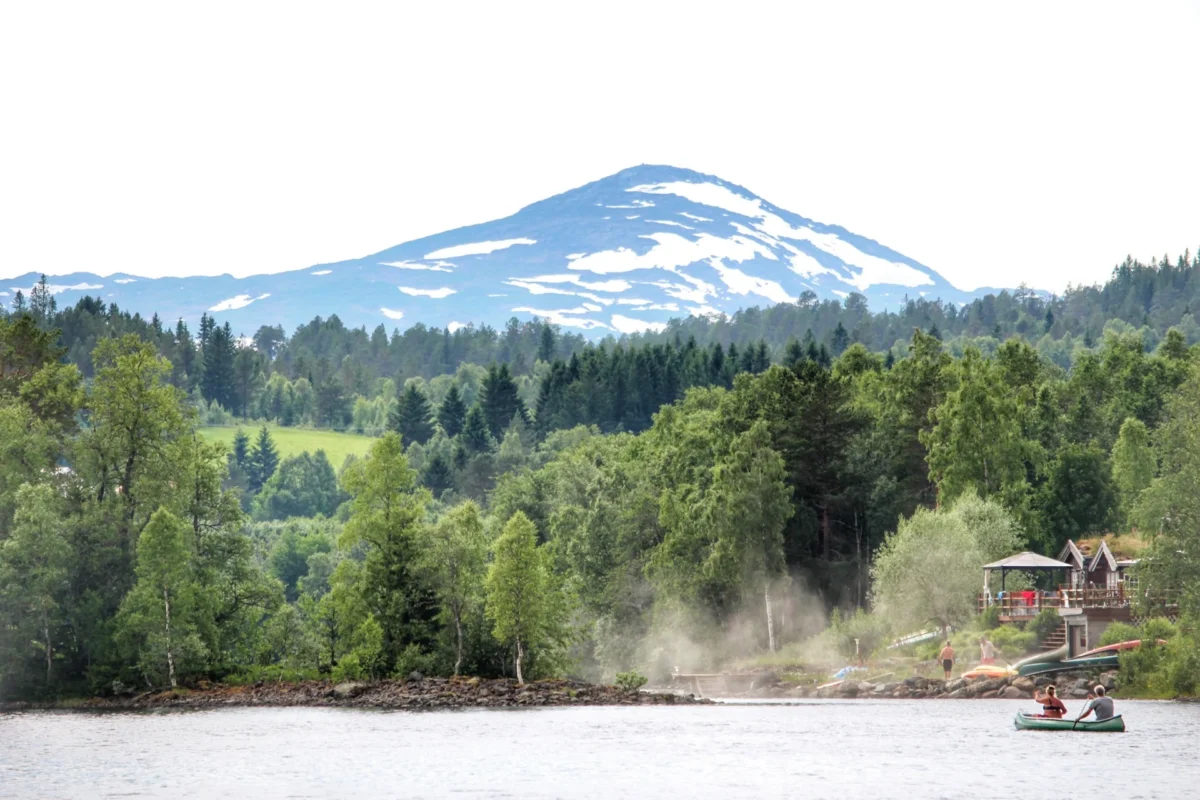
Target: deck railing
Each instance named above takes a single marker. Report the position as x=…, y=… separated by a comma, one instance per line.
x=1022, y=604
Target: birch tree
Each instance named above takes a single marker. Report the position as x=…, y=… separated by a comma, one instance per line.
x=518, y=587
x=457, y=557
x=159, y=615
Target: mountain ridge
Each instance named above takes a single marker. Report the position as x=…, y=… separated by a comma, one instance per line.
x=621, y=254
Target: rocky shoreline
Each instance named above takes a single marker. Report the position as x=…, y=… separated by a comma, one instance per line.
x=412, y=694
x=1071, y=685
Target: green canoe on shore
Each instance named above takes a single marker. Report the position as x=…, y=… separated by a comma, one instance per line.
x=1105, y=661
x=1030, y=722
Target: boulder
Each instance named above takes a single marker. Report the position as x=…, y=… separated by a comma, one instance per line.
x=848, y=689
x=349, y=689
x=1107, y=679
x=1013, y=693
x=1078, y=694
x=415, y=676
x=865, y=688
x=902, y=691
x=955, y=685
x=1083, y=683
x=958, y=693
x=989, y=695
x=1025, y=684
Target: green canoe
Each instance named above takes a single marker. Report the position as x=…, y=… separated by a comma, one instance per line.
x=1106, y=661
x=1029, y=722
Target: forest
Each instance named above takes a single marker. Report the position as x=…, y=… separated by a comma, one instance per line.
x=537, y=505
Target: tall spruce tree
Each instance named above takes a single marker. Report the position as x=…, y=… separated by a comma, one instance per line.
x=475, y=436
x=452, y=414
x=219, y=383
x=412, y=418
x=499, y=399
x=262, y=460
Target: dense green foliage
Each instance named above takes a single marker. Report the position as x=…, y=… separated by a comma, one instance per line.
x=634, y=506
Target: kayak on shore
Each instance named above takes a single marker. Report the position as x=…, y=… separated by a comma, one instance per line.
x=1117, y=648
x=1033, y=722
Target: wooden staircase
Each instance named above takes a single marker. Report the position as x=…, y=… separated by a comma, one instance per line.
x=1056, y=639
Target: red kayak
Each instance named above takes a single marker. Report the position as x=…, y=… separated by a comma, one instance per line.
x=1115, y=648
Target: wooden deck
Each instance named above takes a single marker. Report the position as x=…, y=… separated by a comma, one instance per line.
x=1112, y=604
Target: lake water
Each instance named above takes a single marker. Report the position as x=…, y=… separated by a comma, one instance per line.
x=813, y=749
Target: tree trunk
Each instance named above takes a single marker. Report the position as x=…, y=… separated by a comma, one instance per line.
x=170, y=651
x=825, y=546
x=770, y=620
x=520, y=658
x=458, y=634
x=49, y=647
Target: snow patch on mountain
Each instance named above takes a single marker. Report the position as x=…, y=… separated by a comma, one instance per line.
x=440, y=266
x=238, y=301
x=477, y=248
x=630, y=325
x=566, y=317
x=436, y=294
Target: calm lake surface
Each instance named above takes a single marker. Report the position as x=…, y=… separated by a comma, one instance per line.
x=812, y=749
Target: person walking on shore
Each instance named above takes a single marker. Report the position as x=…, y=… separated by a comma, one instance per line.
x=987, y=651
x=947, y=659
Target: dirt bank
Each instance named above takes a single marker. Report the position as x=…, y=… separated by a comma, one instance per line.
x=412, y=694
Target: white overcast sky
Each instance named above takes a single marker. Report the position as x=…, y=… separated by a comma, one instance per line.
x=996, y=142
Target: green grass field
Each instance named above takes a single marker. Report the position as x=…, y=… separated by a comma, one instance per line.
x=293, y=441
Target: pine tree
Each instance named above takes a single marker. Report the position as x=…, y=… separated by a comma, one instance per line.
x=412, y=418
x=219, y=382
x=452, y=414
x=241, y=447
x=499, y=399
x=262, y=460
x=41, y=301
x=207, y=326
x=18, y=305
x=438, y=477
x=546, y=344
x=475, y=436
x=840, y=339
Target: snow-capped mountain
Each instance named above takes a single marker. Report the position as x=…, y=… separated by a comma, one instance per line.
x=622, y=254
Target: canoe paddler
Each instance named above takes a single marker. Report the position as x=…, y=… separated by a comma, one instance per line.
x=1102, y=704
x=1052, y=707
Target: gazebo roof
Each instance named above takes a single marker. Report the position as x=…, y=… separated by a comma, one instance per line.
x=1027, y=561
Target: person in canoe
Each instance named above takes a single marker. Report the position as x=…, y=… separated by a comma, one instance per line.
x=1102, y=704
x=947, y=659
x=1052, y=707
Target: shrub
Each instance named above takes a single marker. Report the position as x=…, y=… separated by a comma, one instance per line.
x=1012, y=641
x=1119, y=632
x=1045, y=623
x=989, y=620
x=630, y=681
x=869, y=629
x=1157, y=628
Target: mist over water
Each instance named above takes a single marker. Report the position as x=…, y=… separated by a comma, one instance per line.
x=820, y=749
